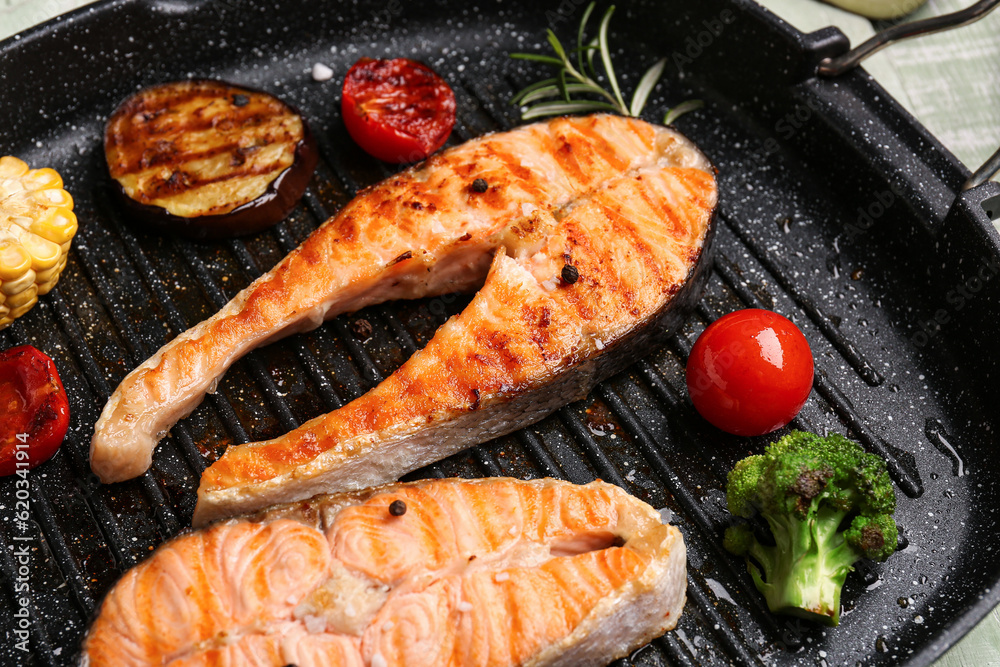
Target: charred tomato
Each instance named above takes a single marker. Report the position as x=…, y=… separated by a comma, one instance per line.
x=397, y=110
x=750, y=372
x=34, y=407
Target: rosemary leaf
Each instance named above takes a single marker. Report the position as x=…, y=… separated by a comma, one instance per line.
x=537, y=57
x=579, y=38
x=681, y=109
x=582, y=79
x=522, y=94
x=561, y=108
x=609, y=70
x=562, y=85
x=592, y=48
x=553, y=90
x=646, y=85
x=558, y=48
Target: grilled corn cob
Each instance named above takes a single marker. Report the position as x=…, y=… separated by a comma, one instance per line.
x=37, y=225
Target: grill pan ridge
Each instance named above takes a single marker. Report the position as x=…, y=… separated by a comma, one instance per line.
x=836, y=210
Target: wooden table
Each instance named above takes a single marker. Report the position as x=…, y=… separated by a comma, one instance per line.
x=949, y=82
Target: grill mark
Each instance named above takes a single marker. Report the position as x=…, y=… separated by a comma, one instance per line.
x=597, y=145
x=561, y=149
x=512, y=164
x=126, y=133
x=498, y=355
x=626, y=292
x=678, y=250
x=651, y=258
x=181, y=94
x=582, y=300
x=694, y=189
x=165, y=157
x=181, y=182
x=663, y=205
x=165, y=153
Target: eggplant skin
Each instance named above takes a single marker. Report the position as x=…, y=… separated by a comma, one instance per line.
x=206, y=159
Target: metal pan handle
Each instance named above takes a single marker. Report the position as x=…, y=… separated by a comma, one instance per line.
x=830, y=67
x=853, y=58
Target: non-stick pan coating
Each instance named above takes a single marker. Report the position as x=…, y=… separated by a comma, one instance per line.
x=834, y=208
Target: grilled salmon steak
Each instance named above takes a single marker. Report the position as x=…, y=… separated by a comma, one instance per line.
x=435, y=573
x=582, y=236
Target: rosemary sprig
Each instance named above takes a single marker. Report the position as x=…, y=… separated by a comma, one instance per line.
x=581, y=79
x=681, y=109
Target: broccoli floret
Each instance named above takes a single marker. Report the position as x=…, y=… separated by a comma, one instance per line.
x=828, y=504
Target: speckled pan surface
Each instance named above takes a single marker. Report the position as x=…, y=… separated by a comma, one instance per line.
x=834, y=211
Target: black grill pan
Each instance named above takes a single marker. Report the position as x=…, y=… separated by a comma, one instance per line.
x=837, y=209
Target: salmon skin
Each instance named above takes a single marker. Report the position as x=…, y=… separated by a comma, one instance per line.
x=442, y=573
x=583, y=236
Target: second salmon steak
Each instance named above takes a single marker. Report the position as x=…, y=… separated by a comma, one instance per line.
x=438, y=573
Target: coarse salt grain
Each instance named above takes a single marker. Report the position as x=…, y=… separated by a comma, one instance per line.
x=527, y=209
x=314, y=624
x=501, y=576
x=512, y=531
x=378, y=660
x=321, y=72
x=388, y=626
x=464, y=606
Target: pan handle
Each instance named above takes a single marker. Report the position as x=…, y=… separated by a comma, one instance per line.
x=830, y=67
x=984, y=173
x=851, y=59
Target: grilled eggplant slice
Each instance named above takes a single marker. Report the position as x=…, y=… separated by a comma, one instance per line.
x=206, y=159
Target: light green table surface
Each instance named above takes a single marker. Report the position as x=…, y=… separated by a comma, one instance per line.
x=950, y=82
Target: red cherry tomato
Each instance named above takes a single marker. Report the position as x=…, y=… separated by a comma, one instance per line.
x=397, y=110
x=34, y=409
x=750, y=372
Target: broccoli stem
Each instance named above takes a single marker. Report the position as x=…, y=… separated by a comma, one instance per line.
x=804, y=573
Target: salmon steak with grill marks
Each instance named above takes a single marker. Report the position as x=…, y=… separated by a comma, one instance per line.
x=436, y=573
x=585, y=238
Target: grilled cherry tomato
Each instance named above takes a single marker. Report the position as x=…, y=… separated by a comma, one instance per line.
x=750, y=372
x=34, y=408
x=397, y=110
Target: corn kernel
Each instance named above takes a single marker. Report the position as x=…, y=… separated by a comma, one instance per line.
x=15, y=262
x=12, y=167
x=28, y=294
x=57, y=225
x=37, y=225
x=44, y=254
x=50, y=198
x=42, y=179
x=22, y=309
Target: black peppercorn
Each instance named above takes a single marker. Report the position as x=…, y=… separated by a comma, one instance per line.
x=362, y=328
x=480, y=185
x=241, y=100
x=397, y=508
x=570, y=274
